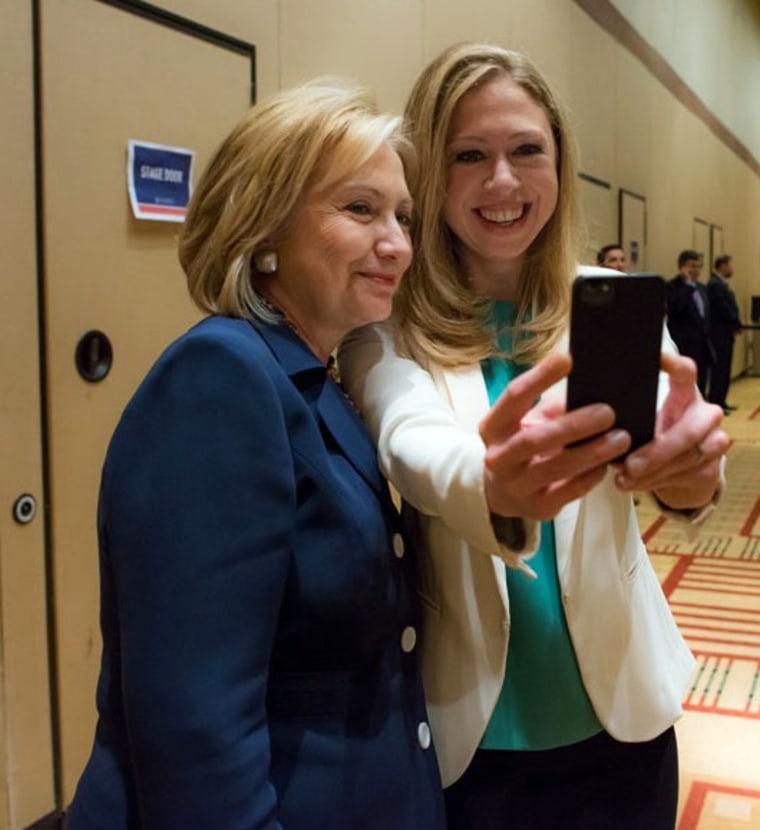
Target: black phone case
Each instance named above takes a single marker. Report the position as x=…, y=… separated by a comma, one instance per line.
x=615, y=340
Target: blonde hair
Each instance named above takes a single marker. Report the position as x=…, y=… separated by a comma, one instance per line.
x=302, y=139
x=440, y=317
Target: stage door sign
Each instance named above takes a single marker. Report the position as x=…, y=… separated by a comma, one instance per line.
x=159, y=181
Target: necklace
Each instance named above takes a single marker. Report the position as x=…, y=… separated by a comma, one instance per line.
x=278, y=312
x=332, y=365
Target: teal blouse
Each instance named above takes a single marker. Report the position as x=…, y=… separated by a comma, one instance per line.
x=543, y=702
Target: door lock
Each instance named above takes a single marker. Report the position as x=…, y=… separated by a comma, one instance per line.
x=93, y=356
x=25, y=508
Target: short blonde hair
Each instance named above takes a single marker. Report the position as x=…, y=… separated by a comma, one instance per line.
x=304, y=138
x=439, y=315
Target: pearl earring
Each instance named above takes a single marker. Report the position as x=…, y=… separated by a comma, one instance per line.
x=266, y=262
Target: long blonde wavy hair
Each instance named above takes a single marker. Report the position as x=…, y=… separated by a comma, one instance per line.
x=438, y=315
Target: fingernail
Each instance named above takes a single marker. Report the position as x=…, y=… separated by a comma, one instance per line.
x=619, y=438
x=636, y=467
x=604, y=410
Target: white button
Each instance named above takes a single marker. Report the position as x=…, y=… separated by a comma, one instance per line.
x=408, y=639
x=398, y=545
x=423, y=735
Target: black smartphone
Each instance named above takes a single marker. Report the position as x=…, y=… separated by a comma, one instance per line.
x=616, y=328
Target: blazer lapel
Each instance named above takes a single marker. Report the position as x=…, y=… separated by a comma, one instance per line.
x=565, y=529
x=469, y=398
x=326, y=399
x=350, y=434
x=467, y=392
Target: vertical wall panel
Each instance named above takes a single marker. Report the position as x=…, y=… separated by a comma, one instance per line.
x=134, y=79
x=26, y=755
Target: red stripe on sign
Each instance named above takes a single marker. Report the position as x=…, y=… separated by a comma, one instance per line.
x=171, y=211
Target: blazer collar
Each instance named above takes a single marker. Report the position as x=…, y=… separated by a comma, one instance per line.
x=467, y=393
x=327, y=400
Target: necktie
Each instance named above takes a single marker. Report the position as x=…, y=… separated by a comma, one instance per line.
x=699, y=300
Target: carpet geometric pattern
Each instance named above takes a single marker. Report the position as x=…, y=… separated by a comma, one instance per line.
x=713, y=586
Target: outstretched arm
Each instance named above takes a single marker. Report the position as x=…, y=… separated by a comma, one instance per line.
x=433, y=459
x=534, y=465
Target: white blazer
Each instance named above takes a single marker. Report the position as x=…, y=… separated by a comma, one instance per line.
x=634, y=663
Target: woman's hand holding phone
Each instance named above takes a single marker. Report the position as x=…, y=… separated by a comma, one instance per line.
x=531, y=469
x=682, y=464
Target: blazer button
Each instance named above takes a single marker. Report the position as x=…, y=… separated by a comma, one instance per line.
x=398, y=545
x=423, y=735
x=408, y=639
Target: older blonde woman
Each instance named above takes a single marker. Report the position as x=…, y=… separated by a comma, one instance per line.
x=552, y=683
x=260, y=662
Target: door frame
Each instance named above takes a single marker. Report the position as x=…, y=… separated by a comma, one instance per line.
x=603, y=185
x=705, y=249
x=717, y=244
x=623, y=193
x=187, y=26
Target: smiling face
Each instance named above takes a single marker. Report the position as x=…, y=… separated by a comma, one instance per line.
x=346, y=251
x=501, y=182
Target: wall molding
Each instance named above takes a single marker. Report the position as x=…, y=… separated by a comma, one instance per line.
x=615, y=24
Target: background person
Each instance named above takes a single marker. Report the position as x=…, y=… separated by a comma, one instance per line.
x=688, y=309
x=725, y=324
x=612, y=256
x=552, y=699
x=259, y=663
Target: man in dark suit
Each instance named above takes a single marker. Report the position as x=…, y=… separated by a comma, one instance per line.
x=689, y=315
x=724, y=326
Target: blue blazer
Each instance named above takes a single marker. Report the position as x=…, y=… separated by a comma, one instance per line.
x=259, y=663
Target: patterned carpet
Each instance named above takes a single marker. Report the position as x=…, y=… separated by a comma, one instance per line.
x=713, y=586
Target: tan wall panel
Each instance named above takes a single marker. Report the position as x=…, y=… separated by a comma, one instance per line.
x=561, y=39
x=592, y=106
x=633, y=236
x=450, y=21
x=599, y=207
x=255, y=21
x=630, y=128
x=108, y=271
x=700, y=242
x=26, y=762
x=705, y=42
x=664, y=151
x=634, y=124
x=377, y=42
x=679, y=144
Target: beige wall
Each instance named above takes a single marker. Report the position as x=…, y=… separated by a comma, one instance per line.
x=705, y=41
x=26, y=775
x=633, y=133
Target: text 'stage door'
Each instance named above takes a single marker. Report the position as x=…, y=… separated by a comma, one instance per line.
x=109, y=75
